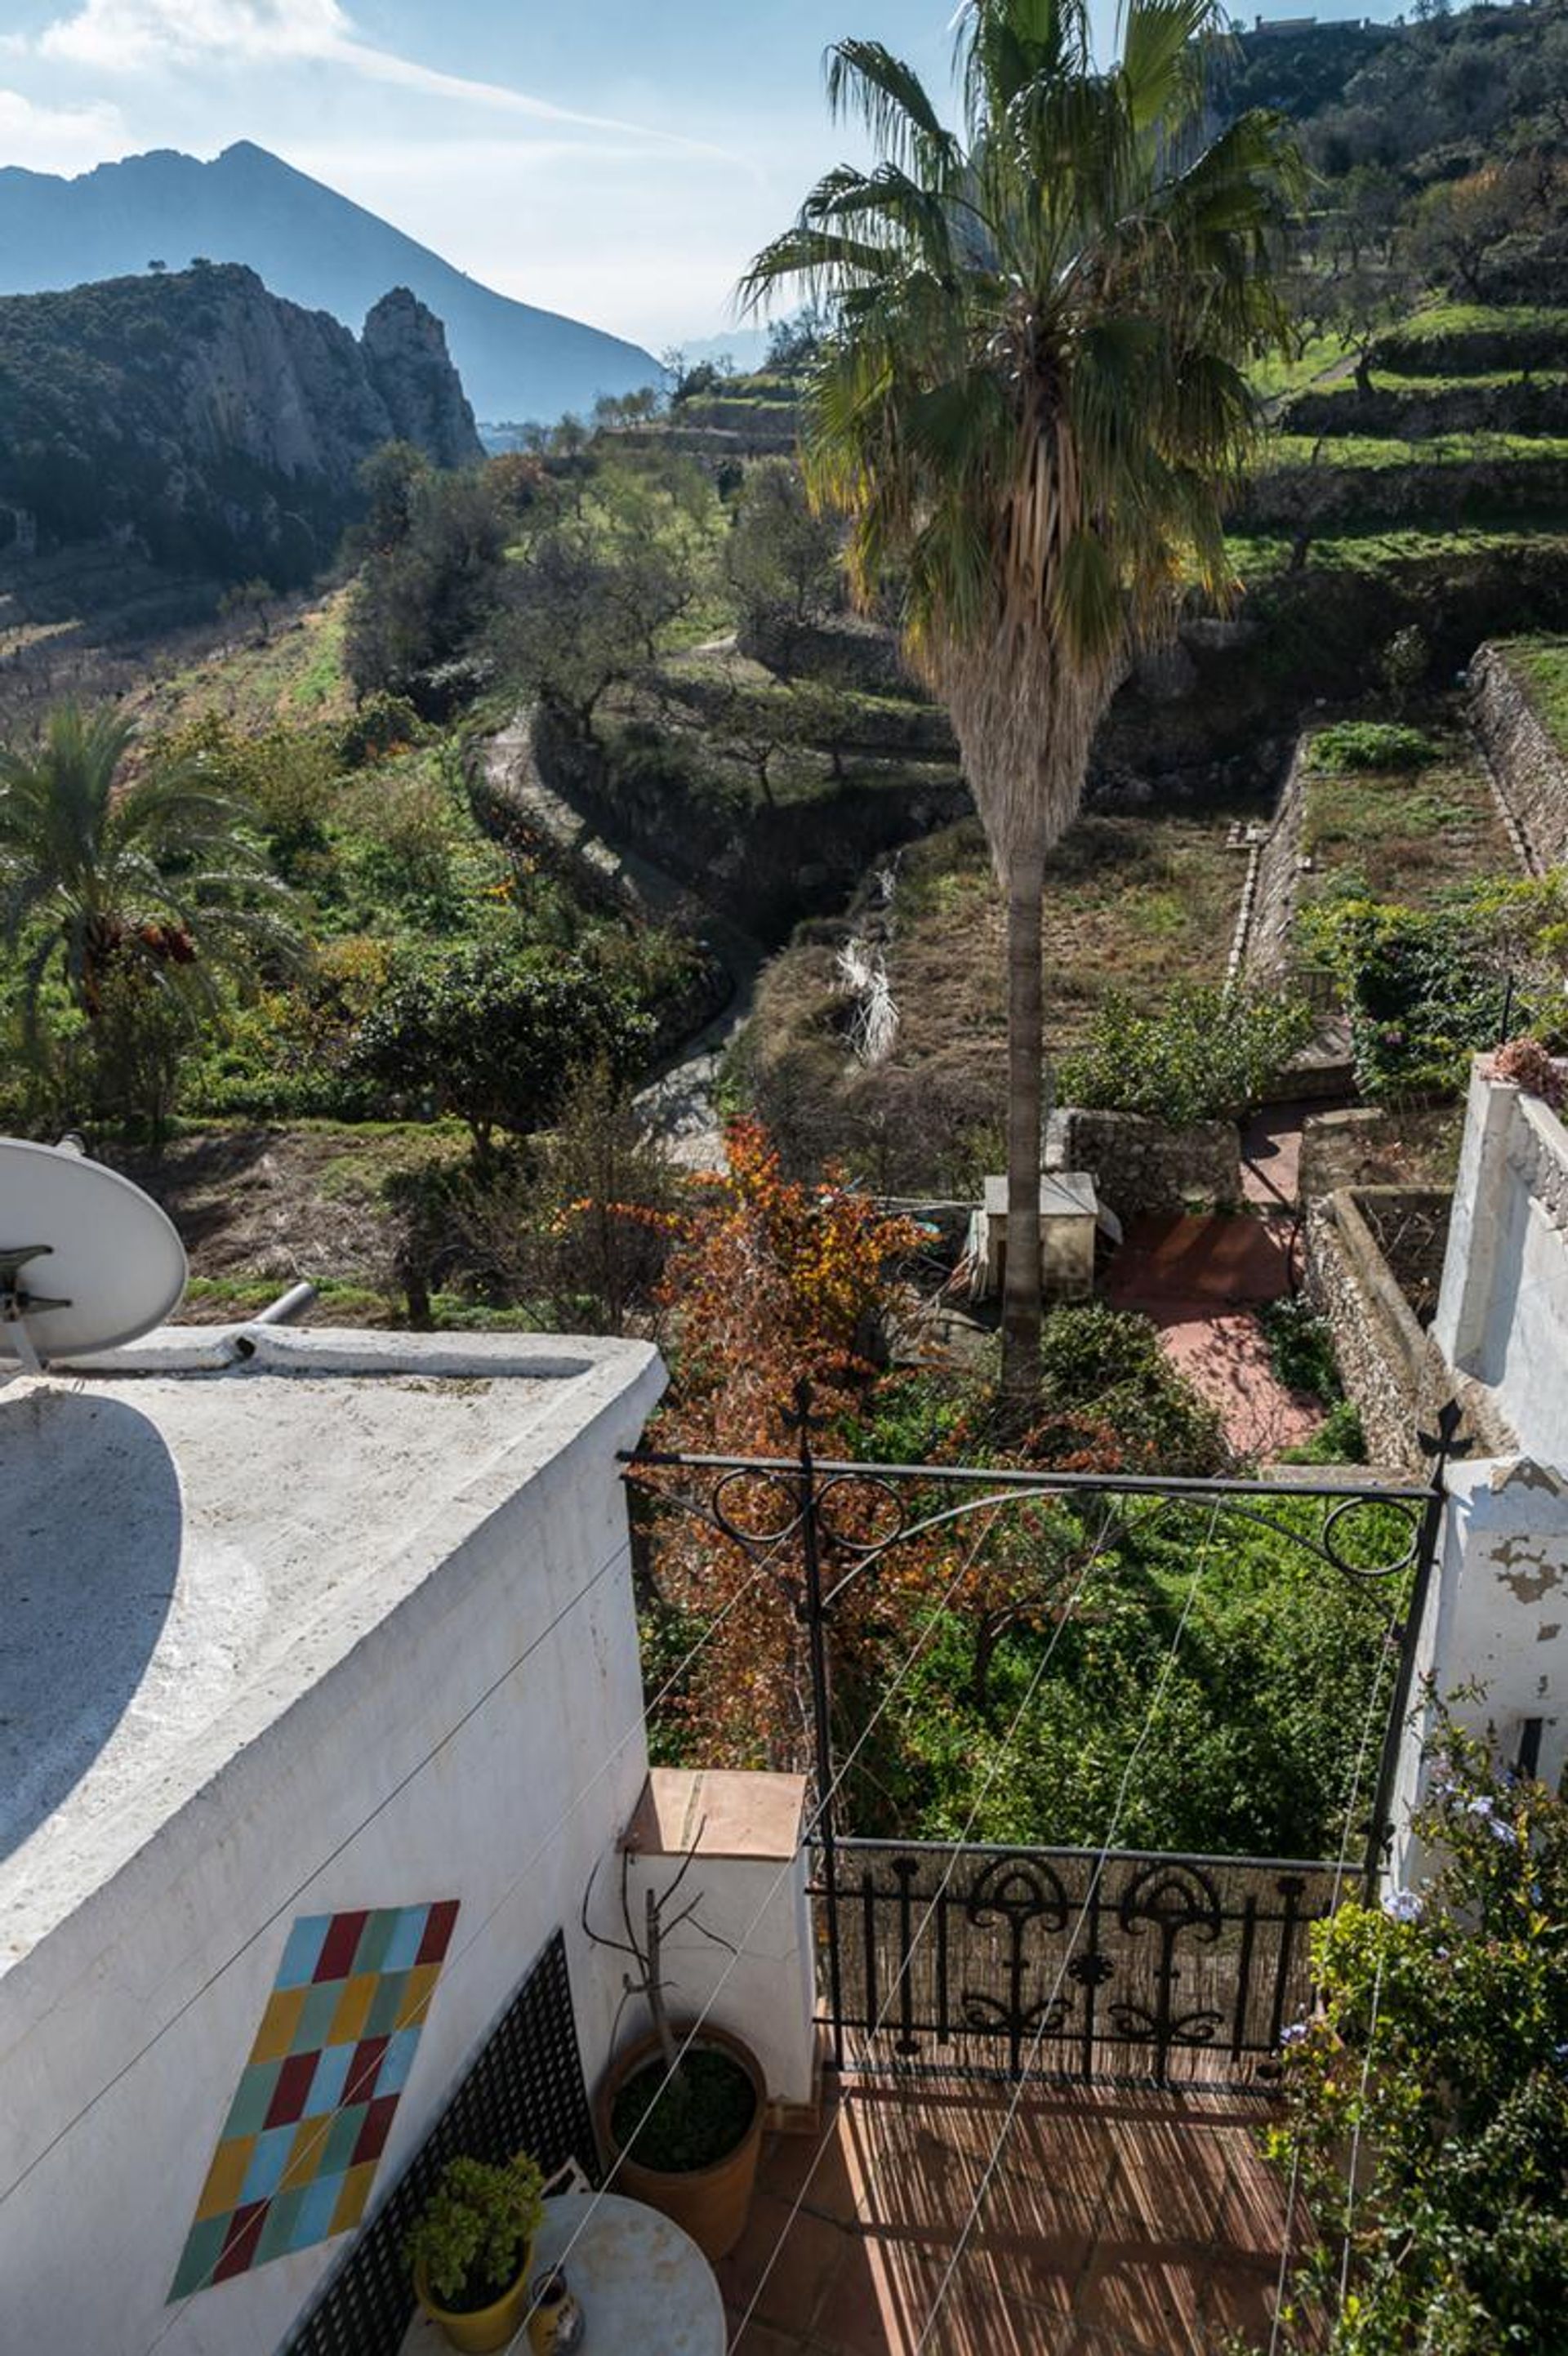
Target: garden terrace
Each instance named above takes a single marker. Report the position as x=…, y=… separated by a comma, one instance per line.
x=1402, y=823
x=1132, y=901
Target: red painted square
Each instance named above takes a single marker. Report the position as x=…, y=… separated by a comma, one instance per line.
x=293, y=2090
x=365, y=2069
x=337, y=1959
x=437, y=1932
x=377, y=2127
x=239, y=2241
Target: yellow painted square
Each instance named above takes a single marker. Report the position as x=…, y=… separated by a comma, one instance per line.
x=352, y=2199
x=280, y=2025
x=225, y=2178
x=417, y=1992
x=353, y=2009
x=304, y=2152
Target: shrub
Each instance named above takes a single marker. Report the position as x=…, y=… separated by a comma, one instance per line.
x=1205, y=1053
x=494, y=1034
x=1372, y=743
x=1301, y=1348
x=1439, y=2049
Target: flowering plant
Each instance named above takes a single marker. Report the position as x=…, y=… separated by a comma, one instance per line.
x=1429, y=2097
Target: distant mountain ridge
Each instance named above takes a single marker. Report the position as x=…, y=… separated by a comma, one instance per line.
x=313, y=246
x=202, y=424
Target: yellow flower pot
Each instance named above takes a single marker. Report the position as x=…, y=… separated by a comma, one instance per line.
x=480, y=2331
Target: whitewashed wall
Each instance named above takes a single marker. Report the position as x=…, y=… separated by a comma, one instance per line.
x=1498, y=1620
x=90, y=2241
x=1496, y=1617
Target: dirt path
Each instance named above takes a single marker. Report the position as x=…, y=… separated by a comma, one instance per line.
x=681, y=1105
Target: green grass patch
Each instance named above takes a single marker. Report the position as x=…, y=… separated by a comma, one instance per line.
x=1370, y=453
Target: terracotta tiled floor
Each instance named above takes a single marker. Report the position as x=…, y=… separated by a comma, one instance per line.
x=1200, y=1278
x=1119, y=2224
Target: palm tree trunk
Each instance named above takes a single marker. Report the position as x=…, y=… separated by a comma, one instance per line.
x=1025, y=1051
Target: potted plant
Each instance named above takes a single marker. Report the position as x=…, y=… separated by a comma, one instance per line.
x=471, y=2248
x=678, y=2111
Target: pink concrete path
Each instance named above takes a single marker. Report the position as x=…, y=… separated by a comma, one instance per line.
x=1200, y=1278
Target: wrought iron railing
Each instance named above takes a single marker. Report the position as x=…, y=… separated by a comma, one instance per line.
x=1068, y=1962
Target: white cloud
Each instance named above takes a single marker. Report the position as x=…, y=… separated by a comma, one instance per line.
x=137, y=35
x=58, y=138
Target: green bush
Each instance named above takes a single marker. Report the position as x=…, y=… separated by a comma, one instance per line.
x=1371, y=744
x=495, y=1033
x=1205, y=1053
x=1438, y=2051
x=1301, y=1348
x=1423, y=988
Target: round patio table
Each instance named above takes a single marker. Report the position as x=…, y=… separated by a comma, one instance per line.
x=641, y=2283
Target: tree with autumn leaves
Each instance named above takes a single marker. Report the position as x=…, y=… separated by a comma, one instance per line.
x=772, y=1281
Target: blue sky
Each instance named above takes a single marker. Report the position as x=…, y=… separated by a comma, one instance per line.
x=619, y=160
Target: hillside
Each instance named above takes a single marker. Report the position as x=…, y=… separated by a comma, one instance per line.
x=199, y=421
x=313, y=246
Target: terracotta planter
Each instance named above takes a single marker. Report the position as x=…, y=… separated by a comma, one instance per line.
x=480, y=2331
x=710, y=2203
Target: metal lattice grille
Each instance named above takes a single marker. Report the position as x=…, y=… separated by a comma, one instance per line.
x=1170, y=1968
x=525, y=2092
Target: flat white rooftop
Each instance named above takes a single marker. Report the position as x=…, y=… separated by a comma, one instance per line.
x=197, y=1531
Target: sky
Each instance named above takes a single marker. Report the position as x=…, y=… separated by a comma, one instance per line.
x=617, y=160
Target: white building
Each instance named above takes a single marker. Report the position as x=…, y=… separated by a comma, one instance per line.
x=304, y=1638
x=1496, y=1617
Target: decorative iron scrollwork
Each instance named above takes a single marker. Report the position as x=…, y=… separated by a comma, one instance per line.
x=728, y=1507
x=1022, y=1889
x=1177, y=1897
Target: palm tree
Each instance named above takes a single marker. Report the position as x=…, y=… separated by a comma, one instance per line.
x=153, y=877
x=1031, y=402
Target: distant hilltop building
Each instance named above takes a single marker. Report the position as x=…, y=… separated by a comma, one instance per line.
x=1312, y=24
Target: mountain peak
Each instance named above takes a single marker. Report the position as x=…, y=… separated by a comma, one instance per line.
x=314, y=247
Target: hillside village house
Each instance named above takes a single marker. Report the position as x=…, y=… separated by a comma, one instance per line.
x=321, y=1701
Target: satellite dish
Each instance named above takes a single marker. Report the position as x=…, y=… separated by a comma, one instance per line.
x=87, y=1260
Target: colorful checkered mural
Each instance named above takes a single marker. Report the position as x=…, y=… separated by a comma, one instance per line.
x=310, y=2119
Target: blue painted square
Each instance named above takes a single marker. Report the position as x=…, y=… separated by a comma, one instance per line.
x=303, y=1952
x=402, y=1947
x=267, y=2163
x=314, y=2221
x=327, y=2088
x=393, y=2076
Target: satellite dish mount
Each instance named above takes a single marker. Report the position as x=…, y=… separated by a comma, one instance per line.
x=17, y=1304
x=88, y=1262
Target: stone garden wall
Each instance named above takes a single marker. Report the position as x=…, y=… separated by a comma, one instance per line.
x=1142, y=1166
x=1530, y=769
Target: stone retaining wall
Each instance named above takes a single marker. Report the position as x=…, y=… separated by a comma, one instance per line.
x=1392, y=1368
x=1141, y=1166
x=1382, y=1352
x=1530, y=771
x=1267, y=954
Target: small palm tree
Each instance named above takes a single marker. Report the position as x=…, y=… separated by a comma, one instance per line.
x=153, y=877
x=1030, y=404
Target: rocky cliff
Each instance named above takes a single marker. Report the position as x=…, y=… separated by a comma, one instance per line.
x=207, y=422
